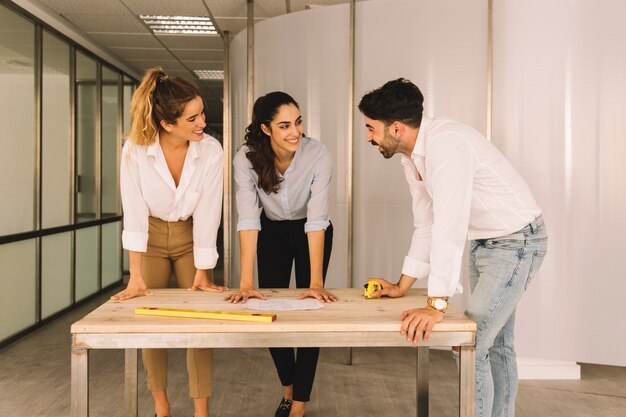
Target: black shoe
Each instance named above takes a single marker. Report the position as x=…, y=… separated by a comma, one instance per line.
x=283, y=408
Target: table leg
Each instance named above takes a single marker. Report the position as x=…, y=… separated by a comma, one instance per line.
x=467, y=382
x=422, y=382
x=80, y=382
x=130, y=383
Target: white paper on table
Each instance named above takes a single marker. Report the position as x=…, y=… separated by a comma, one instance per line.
x=283, y=305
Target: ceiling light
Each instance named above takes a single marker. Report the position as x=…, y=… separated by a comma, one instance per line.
x=209, y=74
x=180, y=25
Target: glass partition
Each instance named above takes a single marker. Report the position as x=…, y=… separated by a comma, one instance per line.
x=56, y=273
x=56, y=133
x=17, y=118
x=87, y=243
x=111, y=205
x=111, y=253
x=86, y=137
x=17, y=286
x=62, y=112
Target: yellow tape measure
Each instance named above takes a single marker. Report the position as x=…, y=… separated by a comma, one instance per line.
x=370, y=287
x=203, y=314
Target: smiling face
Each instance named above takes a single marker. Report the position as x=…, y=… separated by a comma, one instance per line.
x=285, y=130
x=191, y=123
x=378, y=134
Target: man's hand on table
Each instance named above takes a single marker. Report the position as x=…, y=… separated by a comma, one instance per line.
x=418, y=321
x=388, y=289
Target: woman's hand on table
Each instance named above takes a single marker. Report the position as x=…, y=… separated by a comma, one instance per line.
x=136, y=287
x=418, y=321
x=243, y=294
x=201, y=282
x=319, y=294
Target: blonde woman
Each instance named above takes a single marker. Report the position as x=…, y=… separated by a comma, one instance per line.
x=171, y=186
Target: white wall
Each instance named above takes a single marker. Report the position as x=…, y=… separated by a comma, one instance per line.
x=558, y=115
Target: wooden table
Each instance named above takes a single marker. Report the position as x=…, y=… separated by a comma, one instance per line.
x=351, y=322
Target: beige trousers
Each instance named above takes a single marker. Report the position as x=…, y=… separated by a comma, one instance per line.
x=171, y=243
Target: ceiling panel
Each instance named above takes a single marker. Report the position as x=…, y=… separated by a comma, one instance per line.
x=167, y=7
x=262, y=8
x=112, y=23
x=199, y=54
x=82, y=6
x=169, y=65
x=192, y=42
x=126, y=40
x=204, y=65
x=141, y=53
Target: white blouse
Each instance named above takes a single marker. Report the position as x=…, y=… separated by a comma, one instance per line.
x=148, y=189
x=303, y=193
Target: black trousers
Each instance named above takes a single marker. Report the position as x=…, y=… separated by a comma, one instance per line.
x=281, y=243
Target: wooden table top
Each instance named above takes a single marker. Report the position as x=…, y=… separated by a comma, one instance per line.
x=353, y=312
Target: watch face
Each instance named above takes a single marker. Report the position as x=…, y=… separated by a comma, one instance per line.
x=440, y=303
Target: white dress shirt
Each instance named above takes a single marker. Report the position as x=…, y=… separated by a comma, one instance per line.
x=303, y=193
x=467, y=190
x=148, y=189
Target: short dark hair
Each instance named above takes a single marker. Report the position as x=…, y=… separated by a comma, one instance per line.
x=397, y=100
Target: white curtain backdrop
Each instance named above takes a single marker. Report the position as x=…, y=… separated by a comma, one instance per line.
x=559, y=114
x=559, y=82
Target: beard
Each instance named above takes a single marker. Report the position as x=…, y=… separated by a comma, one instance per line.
x=388, y=145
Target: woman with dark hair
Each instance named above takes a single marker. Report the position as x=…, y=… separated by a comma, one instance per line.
x=171, y=187
x=283, y=181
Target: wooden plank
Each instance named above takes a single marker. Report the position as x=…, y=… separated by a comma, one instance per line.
x=258, y=339
x=421, y=385
x=80, y=382
x=467, y=382
x=130, y=383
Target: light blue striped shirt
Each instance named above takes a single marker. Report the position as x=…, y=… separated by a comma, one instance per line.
x=303, y=193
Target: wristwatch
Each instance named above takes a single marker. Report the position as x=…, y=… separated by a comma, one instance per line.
x=438, y=303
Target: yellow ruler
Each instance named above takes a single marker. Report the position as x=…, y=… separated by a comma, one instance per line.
x=203, y=314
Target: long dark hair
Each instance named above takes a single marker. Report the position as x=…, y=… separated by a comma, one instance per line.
x=158, y=97
x=260, y=151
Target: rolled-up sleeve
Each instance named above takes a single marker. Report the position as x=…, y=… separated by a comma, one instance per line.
x=208, y=213
x=317, y=206
x=247, y=199
x=136, y=213
x=417, y=262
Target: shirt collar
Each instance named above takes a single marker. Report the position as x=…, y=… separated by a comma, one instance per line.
x=153, y=148
x=420, y=143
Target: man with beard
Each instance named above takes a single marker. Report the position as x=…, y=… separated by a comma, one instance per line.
x=462, y=189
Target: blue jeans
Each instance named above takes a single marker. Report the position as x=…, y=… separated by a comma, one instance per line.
x=500, y=271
